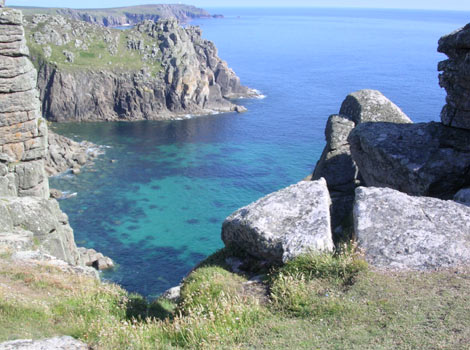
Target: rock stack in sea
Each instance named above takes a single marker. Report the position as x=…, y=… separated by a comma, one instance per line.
x=455, y=77
x=29, y=219
x=400, y=189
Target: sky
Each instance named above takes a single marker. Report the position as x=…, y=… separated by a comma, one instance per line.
x=457, y=5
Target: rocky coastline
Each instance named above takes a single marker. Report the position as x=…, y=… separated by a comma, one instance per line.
x=399, y=189
x=171, y=71
x=123, y=16
x=30, y=220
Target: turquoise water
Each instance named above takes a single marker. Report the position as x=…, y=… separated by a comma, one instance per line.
x=158, y=209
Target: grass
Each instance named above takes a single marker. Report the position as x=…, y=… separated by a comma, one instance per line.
x=97, y=55
x=315, y=302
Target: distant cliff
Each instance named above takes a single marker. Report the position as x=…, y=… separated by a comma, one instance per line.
x=124, y=15
x=153, y=71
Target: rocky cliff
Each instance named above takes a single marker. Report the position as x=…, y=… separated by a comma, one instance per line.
x=153, y=71
x=29, y=219
x=125, y=15
x=400, y=190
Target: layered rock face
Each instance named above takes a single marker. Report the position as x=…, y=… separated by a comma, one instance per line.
x=28, y=218
x=455, y=77
x=400, y=231
x=23, y=133
x=283, y=224
x=170, y=71
x=336, y=164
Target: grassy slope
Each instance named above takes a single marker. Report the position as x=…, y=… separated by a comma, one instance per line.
x=317, y=302
x=97, y=56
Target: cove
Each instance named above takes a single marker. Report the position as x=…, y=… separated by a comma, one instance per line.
x=158, y=209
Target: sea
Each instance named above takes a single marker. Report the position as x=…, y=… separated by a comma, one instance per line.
x=155, y=201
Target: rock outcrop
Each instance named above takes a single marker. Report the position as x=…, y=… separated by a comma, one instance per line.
x=23, y=132
x=404, y=232
x=122, y=16
x=29, y=220
x=57, y=343
x=65, y=154
x=153, y=71
x=31, y=223
x=284, y=224
x=91, y=257
x=455, y=77
x=427, y=159
x=336, y=164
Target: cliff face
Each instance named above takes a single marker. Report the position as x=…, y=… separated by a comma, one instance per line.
x=125, y=15
x=154, y=71
x=28, y=218
x=23, y=133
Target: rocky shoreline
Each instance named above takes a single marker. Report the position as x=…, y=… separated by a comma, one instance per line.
x=171, y=72
x=30, y=220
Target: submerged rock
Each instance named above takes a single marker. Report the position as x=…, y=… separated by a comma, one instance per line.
x=284, y=224
x=57, y=343
x=427, y=159
x=403, y=232
x=336, y=164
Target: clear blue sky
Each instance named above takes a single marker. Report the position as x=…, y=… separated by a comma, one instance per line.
x=462, y=5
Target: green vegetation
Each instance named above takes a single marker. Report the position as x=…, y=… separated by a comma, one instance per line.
x=314, y=302
x=91, y=46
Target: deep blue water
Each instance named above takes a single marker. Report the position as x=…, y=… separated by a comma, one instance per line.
x=158, y=210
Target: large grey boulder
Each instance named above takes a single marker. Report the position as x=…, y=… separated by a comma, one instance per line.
x=419, y=159
x=284, y=224
x=336, y=164
x=455, y=77
x=33, y=223
x=2, y=3
x=399, y=231
x=57, y=343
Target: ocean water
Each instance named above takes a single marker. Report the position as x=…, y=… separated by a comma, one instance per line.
x=158, y=209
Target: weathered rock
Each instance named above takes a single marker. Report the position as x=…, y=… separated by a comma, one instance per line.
x=192, y=79
x=427, y=159
x=463, y=196
x=37, y=257
x=39, y=223
x=284, y=224
x=57, y=343
x=371, y=106
x=2, y=3
x=172, y=294
x=455, y=77
x=55, y=193
x=403, y=232
x=336, y=164
x=91, y=257
x=65, y=154
x=22, y=134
